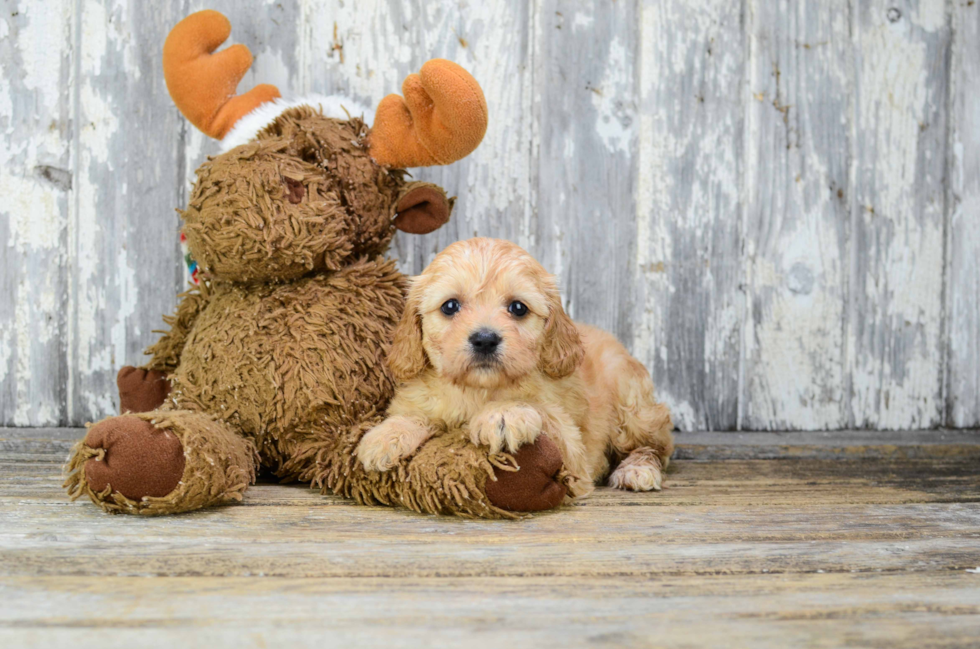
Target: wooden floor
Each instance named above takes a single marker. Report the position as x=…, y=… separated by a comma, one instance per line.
x=760, y=540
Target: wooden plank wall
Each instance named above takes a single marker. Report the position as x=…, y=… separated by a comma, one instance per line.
x=775, y=204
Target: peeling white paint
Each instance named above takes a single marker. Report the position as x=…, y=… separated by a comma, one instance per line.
x=681, y=410
x=93, y=31
x=614, y=117
x=23, y=333
x=652, y=251
x=6, y=351
x=128, y=295
x=43, y=51
x=694, y=187
x=963, y=244
x=32, y=210
x=104, y=294
x=582, y=20
x=895, y=361
x=688, y=189
x=794, y=249
x=99, y=124
x=930, y=15
x=495, y=177
x=377, y=47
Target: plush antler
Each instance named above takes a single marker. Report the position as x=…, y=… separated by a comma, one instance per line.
x=442, y=118
x=203, y=84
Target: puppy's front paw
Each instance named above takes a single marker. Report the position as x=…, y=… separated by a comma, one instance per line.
x=642, y=470
x=509, y=427
x=386, y=444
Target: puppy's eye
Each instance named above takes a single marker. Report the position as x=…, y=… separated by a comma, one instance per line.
x=450, y=307
x=517, y=309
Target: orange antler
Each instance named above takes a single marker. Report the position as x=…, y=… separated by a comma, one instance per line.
x=442, y=118
x=203, y=84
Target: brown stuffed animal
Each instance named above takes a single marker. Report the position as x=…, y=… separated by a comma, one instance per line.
x=277, y=361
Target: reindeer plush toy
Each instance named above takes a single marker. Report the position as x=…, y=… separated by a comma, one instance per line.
x=277, y=361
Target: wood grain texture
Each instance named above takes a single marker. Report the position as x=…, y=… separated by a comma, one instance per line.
x=689, y=307
x=875, y=549
x=35, y=204
x=586, y=104
x=786, y=612
x=894, y=327
x=963, y=252
x=898, y=611
x=774, y=205
x=125, y=263
x=796, y=214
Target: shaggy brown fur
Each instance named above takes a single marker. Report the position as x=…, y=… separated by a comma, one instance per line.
x=303, y=197
x=278, y=360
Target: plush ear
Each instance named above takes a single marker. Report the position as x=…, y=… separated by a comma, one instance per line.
x=561, y=348
x=407, y=357
x=422, y=208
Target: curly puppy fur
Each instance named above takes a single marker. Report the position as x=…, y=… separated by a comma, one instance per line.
x=508, y=373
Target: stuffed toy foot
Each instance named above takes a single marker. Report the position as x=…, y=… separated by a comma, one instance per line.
x=539, y=484
x=160, y=462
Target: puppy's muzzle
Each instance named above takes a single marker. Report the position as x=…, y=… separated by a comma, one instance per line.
x=484, y=343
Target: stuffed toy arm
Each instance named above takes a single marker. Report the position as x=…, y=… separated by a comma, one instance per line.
x=447, y=475
x=142, y=389
x=166, y=351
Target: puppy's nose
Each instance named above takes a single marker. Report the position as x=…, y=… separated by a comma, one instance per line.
x=484, y=341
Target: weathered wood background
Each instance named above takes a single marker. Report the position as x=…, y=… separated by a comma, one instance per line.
x=763, y=540
x=775, y=204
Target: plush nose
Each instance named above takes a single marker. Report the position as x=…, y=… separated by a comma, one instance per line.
x=484, y=341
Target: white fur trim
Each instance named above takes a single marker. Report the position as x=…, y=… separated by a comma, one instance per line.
x=246, y=128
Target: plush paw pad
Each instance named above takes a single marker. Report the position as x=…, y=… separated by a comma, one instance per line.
x=506, y=428
x=141, y=390
x=137, y=459
x=535, y=486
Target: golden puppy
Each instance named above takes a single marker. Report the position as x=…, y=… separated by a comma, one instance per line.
x=485, y=344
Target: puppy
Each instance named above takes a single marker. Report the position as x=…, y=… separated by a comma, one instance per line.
x=485, y=344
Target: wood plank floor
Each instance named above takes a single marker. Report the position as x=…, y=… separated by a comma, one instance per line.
x=844, y=539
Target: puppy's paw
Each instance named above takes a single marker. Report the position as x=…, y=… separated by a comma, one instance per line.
x=642, y=470
x=386, y=444
x=509, y=427
x=636, y=478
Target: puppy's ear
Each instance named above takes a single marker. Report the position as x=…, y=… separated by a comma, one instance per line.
x=407, y=357
x=561, y=348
